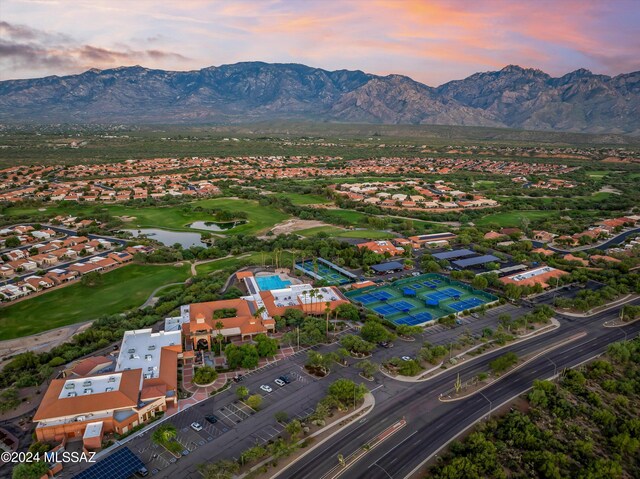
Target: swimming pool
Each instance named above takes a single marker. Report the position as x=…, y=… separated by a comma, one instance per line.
x=266, y=283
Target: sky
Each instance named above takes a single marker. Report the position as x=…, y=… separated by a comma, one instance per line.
x=432, y=41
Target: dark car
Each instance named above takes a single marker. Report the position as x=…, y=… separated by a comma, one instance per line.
x=285, y=379
x=385, y=344
x=212, y=418
x=238, y=378
x=143, y=472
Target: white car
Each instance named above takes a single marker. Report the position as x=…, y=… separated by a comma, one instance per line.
x=266, y=388
x=196, y=426
x=279, y=382
x=406, y=358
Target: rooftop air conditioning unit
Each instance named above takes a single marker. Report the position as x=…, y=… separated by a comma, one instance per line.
x=70, y=386
x=72, y=394
x=112, y=379
x=88, y=391
x=152, y=347
x=108, y=390
x=86, y=383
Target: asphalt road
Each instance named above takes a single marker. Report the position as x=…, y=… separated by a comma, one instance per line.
x=432, y=423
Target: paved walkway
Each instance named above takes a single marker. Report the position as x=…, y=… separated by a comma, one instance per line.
x=200, y=393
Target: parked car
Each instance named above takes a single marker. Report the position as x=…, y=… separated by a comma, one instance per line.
x=142, y=472
x=406, y=358
x=385, y=344
x=185, y=452
x=266, y=388
x=279, y=382
x=285, y=379
x=238, y=377
x=196, y=426
x=212, y=418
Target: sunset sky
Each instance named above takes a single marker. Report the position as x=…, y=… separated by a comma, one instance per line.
x=432, y=41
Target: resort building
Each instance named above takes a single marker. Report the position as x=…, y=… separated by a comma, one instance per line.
x=243, y=318
x=143, y=383
x=543, y=276
x=382, y=247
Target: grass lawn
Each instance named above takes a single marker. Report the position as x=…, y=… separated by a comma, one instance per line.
x=122, y=289
x=174, y=218
x=512, y=218
x=258, y=258
x=353, y=217
x=342, y=233
x=260, y=218
x=598, y=173
x=300, y=199
x=484, y=183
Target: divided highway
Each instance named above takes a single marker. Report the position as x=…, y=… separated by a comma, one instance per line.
x=431, y=424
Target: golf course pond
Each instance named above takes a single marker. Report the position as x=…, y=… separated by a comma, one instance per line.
x=169, y=238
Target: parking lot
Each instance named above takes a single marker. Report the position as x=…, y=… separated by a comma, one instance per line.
x=228, y=415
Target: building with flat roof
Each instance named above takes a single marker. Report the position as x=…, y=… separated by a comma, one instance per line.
x=476, y=261
x=456, y=253
x=145, y=382
x=390, y=267
x=432, y=238
x=541, y=275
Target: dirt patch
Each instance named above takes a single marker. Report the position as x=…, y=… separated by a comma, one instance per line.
x=295, y=224
x=40, y=342
x=126, y=219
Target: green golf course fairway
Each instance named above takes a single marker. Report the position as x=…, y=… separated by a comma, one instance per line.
x=121, y=289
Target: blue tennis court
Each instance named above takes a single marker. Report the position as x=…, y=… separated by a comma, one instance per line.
x=466, y=304
x=382, y=295
x=444, y=294
x=394, y=308
x=396, y=301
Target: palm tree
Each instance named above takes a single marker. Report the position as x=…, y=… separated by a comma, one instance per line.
x=312, y=294
x=219, y=337
x=327, y=310
x=164, y=434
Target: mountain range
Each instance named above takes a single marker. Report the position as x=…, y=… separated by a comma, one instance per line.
x=513, y=97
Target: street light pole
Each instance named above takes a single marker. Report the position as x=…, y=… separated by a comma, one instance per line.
x=555, y=367
x=490, y=405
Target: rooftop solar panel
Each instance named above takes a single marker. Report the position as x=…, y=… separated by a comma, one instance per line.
x=120, y=465
x=456, y=253
x=487, y=258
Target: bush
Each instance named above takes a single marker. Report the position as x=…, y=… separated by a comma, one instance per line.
x=204, y=375
x=504, y=362
x=254, y=401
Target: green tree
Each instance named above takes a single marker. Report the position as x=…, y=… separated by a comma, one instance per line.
x=266, y=346
x=368, y=368
x=12, y=242
x=375, y=332
x=242, y=392
x=294, y=428
x=223, y=469
x=281, y=416
x=480, y=282
x=348, y=312
x=254, y=401
x=346, y=392
x=204, y=375
x=504, y=362
x=30, y=470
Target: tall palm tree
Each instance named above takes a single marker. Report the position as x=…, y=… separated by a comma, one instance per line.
x=219, y=327
x=312, y=294
x=327, y=310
